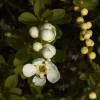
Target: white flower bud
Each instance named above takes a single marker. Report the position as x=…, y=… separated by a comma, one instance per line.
x=84, y=50
x=84, y=12
x=76, y=8
x=89, y=25
x=34, y=32
x=92, y=55
x=88, y=34
x=37, y=46
x=48, y=51
x=89, y=42
x=92, y=96
x=47, y=35
x=47, y=26
x=86, y=25
x=80, y=20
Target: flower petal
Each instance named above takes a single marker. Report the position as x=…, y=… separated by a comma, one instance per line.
x=29, y=70
x=39, y=81
x=38, y=61
x=53, y=74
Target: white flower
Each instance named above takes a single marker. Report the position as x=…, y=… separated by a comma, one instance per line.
x=28, y=70
x=34, y=32
x=37, y=46
x=48, y=51
x=48, y=35
x=40, y=68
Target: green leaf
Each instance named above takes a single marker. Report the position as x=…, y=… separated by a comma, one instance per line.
x=89, y=4
x=18, y=69
x=47, y=14
x=47, y=2
x=91, y=81
x=17, y=91
x=27, y=18
x=59, y=32
x=16, y=97
x=66, y=19
x=14, y=42
x=11, y=81
x=2, y=60
x=21, y=57
x=39, y=7
x=58, y=14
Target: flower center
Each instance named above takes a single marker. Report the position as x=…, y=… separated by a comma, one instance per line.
x=42, y=68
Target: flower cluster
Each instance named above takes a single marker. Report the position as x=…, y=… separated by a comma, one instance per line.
x=43, y=67
x=47, y=34
x=86, y=33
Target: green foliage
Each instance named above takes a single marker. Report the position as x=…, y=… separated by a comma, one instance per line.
x=38, y=7
x=15, y=97
x=2, y=61
x=79, y=76
x=27, y=18
x=11, y=81
x=58, y=14
x=89, y=4
x=16, y=91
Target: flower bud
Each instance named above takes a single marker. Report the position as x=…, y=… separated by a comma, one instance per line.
x=47, y=35
x=37, y=46
x=49, y=26
x=89, y=42
x=84, y=50
x=89, y=25
x=84, y=12
x=88, y=34
x=86, y=25
x=76, y=8
x=92, y=55
x=80, y=20
x=48, y=51
x=92, y=95
x=34, y=32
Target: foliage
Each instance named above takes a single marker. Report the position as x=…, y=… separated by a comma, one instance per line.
x=79, y=76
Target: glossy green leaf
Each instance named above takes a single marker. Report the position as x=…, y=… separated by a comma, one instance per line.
x=57, y=14
x=38, y=7
x=11, y=81
x=47, y=14
x=27, y=18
